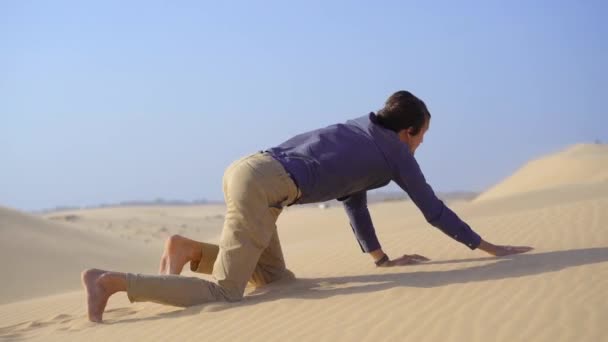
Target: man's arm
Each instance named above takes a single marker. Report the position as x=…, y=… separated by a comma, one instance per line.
x=410, y=178
x=361, y=222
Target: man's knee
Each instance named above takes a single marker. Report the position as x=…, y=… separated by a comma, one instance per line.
x=263, y=277
x=232, y=295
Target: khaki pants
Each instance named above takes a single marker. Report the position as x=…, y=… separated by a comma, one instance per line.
x=256, y=188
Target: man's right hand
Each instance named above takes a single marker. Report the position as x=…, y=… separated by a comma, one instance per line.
x=411, y=259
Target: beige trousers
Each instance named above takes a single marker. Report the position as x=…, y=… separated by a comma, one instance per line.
x=256, y=188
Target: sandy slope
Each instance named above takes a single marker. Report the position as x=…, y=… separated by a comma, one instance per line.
x=39, y=257
x=146, y=224
x=556, y=293
x=44, y=256
x=578, y=164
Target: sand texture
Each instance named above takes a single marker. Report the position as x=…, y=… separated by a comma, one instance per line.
x=558, y=292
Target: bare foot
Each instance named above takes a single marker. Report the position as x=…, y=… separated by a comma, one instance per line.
x=178, y=251
x=97, y=296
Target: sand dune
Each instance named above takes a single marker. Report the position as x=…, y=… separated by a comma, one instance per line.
x=40, y=257
x=146, y=224
x=555, y=293
x=578, y=164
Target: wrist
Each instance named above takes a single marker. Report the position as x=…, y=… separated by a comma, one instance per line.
x=377, y=254
x=379, y=257
x=383, y=261
x=487, y=247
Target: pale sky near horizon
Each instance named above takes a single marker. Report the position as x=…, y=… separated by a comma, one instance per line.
x=106, y=101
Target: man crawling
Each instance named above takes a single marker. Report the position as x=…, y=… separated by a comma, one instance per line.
x=342, y=162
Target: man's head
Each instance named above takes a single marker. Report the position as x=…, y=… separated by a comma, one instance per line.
x=406, y=115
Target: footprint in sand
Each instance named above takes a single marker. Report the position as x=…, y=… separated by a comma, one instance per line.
x=12, y=331
x=25, y=329
x=119, y=312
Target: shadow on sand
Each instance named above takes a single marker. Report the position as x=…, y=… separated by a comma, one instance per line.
x=520, y=265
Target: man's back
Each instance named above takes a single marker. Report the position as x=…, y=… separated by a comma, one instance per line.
x=339, y=160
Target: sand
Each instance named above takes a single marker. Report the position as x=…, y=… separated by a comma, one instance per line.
x=555, y=293
x=578, y=164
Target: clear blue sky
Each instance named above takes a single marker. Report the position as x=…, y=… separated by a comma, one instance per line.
x=104, y=101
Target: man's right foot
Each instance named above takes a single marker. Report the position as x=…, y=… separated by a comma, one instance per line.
x=178, y=251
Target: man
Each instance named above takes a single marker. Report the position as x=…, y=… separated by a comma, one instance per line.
x=341, y=162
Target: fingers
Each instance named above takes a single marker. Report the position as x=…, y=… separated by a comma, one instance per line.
x=521, y=249
x=510, y=250
x=419, y=257
x=410, y=259
x=405, y=260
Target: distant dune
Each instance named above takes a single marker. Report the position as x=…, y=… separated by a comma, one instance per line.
x=578, y=164
x=40, y=257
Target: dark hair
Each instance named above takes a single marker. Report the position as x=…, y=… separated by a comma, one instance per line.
x=403, y=110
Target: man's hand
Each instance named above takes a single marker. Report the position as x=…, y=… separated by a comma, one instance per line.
x=411, y=259
x=406, y=259
x=499, y=251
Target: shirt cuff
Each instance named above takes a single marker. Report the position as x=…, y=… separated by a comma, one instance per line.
x=474, y=241
x=368, y=244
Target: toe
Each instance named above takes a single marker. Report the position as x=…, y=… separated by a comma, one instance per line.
x=163, y=265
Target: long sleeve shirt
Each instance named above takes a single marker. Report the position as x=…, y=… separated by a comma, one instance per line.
x=345, y=160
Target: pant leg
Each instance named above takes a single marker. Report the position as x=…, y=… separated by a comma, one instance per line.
x=255, y=190
x=208, y=256
x=270, y=266
x=255, y=193
x=172, y=290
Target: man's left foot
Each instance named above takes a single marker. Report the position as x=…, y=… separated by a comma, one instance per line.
x=177, y=253
x=97, y=296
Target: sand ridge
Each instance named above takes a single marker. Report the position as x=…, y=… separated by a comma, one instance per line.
x=577, y=164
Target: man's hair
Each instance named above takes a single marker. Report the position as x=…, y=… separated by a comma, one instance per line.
x=403, y=110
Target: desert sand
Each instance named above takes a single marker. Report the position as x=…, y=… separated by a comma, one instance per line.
x=558, y=292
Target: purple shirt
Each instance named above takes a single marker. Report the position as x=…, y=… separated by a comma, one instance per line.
x=343, y=161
